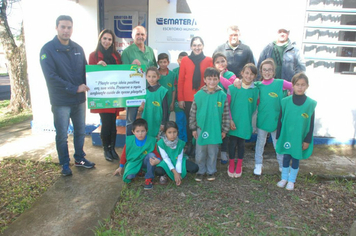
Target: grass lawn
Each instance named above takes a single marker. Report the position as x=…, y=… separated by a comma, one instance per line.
x=7, y=118
x=249, y=205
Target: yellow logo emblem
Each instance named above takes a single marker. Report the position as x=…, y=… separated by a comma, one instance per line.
x=272, y=94
x=145, y=152
x=170, y=85
x=250, y=100
x=305, y=115
x=219, y=104
x=155, y=103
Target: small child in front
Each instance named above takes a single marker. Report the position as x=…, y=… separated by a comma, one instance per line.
x=209, y=119
x=167, y=79
x=243, y=103
x=139, y=152
x=295, y=130
x=155, y=109
x=181, y=119
x=174, y=163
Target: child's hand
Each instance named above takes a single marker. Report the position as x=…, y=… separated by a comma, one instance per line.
x=237, y=83
x=223, y=135
x=177, y=177
x=118, y=171
x=140, y=108
x=232, y=125
x=161, y=128
x=195, y=135
x=181, y=104
x=305, y=145
x=154, y=161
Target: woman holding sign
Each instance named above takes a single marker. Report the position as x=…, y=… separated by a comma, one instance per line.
x=106, y=54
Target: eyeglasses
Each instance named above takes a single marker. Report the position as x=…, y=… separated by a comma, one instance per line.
x=267, y=70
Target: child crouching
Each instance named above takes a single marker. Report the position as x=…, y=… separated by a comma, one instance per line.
x=139, y=152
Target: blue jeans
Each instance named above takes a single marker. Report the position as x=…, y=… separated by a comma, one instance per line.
x=131, y=113
x=260, y=146
x=150, y=174
x=61, y=116
x=181, y=121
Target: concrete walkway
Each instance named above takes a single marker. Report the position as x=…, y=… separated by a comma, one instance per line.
x=74, y=205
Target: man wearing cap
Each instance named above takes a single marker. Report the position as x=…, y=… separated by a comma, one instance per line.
x=237, y=53
x=285, y=54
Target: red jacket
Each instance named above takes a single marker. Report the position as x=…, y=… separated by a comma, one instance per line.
x=93, y=60
x=185, y=80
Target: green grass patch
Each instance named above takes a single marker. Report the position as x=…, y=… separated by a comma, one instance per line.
x=8, y=118
x=21, y=183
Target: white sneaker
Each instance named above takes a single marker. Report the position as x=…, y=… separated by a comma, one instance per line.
x=280, y=169
x=258, y=169
x=282, y=183
x=290, y=186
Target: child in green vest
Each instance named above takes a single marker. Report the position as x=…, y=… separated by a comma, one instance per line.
x=174, y=163
x=181, y=119
x=295, y=130
x=154, y=109
x=271, y=95
x=243, y=103
x=139, y=152
x=167, y=79
x=209, y=119
x=226, y=79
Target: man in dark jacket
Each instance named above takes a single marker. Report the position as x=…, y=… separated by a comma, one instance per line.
x=237, y=53
x=285, y=54
x=63, y=65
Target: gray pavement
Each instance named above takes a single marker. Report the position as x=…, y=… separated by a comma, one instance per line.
x=74, y=205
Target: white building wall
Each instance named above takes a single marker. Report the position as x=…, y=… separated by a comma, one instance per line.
x=40, y=27
x=258, y=22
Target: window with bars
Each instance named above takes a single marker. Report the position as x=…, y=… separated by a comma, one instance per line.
x=330, y=35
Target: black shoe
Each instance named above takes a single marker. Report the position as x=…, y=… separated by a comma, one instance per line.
x=107, y=150
x=114, y=154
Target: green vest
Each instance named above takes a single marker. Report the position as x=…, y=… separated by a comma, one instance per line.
x=173, y=155
x=176, y=106
x=167, y=81
x=243, y=105
x=270, y=105
x=295, y=127
x=210, y=109
x=227, y=75
x=136, y=154
x=153, y=111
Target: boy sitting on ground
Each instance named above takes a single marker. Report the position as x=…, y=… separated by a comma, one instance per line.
x=139, y=152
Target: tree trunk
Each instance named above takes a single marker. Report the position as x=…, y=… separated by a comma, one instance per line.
x=16, y=56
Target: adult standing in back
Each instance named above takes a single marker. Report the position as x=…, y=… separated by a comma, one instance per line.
x=140, y=54
x=106, y=54
x=237, y=53
x=285, y=54
x=191, y=79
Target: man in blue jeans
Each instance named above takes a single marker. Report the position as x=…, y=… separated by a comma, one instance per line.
x=63, y=65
